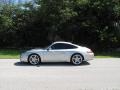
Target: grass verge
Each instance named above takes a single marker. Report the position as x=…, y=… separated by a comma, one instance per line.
x=9, y=54
x=112, y=54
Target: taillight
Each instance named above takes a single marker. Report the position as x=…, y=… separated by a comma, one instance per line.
x=89, y=51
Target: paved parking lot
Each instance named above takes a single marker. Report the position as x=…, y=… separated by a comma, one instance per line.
x=98, y=74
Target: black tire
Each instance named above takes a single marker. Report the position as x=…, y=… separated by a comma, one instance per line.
x=76, y=59
x=34, y=59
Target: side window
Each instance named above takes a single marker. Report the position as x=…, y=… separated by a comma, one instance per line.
x=63, y=46
x=56, y=46
x=68, y=46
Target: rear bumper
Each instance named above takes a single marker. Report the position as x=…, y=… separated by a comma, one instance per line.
x=89, y=56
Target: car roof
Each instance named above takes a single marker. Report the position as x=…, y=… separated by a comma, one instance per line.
x=62, y=42
x=65, y=43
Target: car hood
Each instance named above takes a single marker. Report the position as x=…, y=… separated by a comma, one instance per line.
x=35, y=50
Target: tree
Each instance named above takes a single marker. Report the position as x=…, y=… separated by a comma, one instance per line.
x=93, y=23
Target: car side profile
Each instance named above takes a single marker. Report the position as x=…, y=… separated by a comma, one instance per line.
x=58, y=52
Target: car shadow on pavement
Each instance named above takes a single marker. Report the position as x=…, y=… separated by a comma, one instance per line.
x=51, y=64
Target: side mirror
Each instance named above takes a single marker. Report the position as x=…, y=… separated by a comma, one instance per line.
x=47, y=49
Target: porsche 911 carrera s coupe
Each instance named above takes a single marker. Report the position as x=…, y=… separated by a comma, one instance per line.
x=58, y=52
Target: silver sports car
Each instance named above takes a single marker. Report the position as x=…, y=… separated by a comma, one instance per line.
x=58, y=52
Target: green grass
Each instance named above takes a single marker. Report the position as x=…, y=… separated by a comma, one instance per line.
x=9, y=54
x=15, y=54
x=113, y=54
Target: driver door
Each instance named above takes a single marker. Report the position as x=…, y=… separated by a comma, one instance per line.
x=55, y=54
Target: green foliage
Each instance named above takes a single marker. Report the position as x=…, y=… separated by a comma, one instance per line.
x=93, y=23
x=5, y=18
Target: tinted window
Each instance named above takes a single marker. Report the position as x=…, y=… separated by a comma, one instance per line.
x=62, y=46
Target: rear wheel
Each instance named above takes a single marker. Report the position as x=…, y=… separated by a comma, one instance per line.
x=76, y=59
x=34, y=59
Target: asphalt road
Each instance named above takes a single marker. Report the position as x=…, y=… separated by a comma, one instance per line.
x=98, y=74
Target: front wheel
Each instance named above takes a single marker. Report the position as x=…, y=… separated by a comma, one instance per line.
x=76, y=59
x=34, y=59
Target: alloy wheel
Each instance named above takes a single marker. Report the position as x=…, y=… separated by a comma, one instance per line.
x=77, y=59
x=34, y=59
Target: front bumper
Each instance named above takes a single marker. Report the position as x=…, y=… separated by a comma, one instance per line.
x=24, y=57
